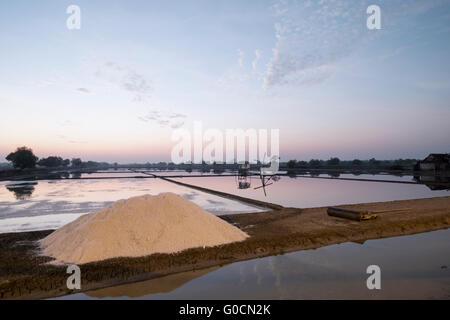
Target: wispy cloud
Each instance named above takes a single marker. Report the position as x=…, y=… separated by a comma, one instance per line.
x=255, y=61
x=241, y=55
x=312, y=37
x=164, y=119
x=239, y=73
x=66, y=123
x=127, y=79
x=177, y=125
x=70, y=140
x=83, y=90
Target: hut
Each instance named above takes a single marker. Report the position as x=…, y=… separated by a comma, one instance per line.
x=435, y=162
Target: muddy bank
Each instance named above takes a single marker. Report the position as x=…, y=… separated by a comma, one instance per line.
x=25, y=274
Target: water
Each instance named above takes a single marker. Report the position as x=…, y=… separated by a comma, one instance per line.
x=110, y=175
x=187, y=173
x=49, y=204
x=308, y=192
x=412, y=267
x=40, y=205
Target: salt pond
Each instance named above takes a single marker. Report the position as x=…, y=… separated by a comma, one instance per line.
x=309, y=192
x=412, y=267
x=49, y=204
x=40, y=205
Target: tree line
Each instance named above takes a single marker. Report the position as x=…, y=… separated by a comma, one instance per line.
x=336, y=162
x=24, y=158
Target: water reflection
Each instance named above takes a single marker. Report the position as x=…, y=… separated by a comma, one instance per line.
x=412, y=267
x=74, y=197
x=57, y=202
x=22, y=191
x=434, y=182
x=76, y=175
x=307, y=192
x=159, y=285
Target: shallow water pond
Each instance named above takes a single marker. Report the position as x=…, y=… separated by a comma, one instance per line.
x=310, y=192
x=412, y=267
x=49, y=204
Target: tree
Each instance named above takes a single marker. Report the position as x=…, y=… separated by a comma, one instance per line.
x=23, y=158
x=91, y=164
x=66, y=162
x=76, y=162
x=302, y=163
x=314, y=163
x=374, y=162
x=291, y=164
x=357, y=162
x=333, y=161
x=51, y=162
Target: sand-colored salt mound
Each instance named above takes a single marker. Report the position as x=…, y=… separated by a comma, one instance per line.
x=139, y=226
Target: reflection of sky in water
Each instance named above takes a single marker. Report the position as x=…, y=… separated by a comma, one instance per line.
x=410, y=268
x=372, y=177
x=70, y=198
x=187, y=173
x=111, y=174
x=309, y=192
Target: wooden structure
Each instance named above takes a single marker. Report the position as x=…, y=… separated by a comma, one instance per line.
x=350, y=214
x=436, y=162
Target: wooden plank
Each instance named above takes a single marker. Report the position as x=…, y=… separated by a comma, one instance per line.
x=350, y=214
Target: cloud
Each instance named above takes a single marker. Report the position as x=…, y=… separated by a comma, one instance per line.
x=69, y=140
x=235, y=76
x=137, y=85
x=143, y=119
x=164, y=119
x=66, y=123
x=83, y=90
x=177, y=115
x=232, y=79
x=313, y=37
x=177, y=125
x=46, y=83
x=127, y=79
x=255, y=61
x=310, y=38
x=241, y=55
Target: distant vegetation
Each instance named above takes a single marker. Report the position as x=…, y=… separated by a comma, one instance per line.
x=53, y=161
x=336, y=163
x=24, y=158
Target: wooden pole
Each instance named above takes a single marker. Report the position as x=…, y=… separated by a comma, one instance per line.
x=350, y=214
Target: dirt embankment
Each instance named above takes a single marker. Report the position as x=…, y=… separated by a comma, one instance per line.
x=24, y=274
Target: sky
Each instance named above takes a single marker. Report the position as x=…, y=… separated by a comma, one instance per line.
x=116, y=89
